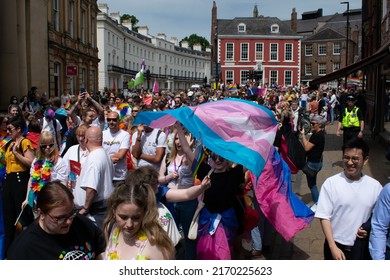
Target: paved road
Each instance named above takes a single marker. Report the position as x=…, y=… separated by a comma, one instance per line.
x=307, y=244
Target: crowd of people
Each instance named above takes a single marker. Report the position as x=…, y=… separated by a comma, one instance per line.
x=80, y=181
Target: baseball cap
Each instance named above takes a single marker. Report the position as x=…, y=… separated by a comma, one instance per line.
x=350, y=97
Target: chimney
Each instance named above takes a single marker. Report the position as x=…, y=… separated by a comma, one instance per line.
x=127, y=23
x=294, y=23
x=143, y=30
x=116, y=16
x=161, y=36
x=197, y=47
x=103, y=8
x=184, y=44
x=174, y=41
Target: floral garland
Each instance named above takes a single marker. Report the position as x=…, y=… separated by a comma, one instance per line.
x=39, y=178
x=141, y=236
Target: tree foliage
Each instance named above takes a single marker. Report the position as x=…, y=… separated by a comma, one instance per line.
x=195, y=39
x=134, y=21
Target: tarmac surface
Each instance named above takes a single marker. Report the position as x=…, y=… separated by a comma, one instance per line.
x=308, y=243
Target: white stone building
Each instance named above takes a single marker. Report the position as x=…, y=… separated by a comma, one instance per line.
x=121, y=52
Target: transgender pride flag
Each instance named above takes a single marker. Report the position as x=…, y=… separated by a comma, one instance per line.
x=243, y=132
x=238, y=130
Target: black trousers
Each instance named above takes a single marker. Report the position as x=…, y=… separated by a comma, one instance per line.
x=349, y=133
x=14, y=193
x=359, y=251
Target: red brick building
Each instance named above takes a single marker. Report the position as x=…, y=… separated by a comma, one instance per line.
x=263, y=48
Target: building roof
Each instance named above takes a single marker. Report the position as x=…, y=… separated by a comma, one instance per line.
x=254, y=26
x=326, y=34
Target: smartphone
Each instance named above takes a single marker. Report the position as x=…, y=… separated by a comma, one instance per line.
x=82, y=90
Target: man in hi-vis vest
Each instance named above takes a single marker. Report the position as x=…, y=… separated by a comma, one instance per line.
x=351, y=121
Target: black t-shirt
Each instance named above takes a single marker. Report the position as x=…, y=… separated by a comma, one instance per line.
x=318, y=140
x=84, y=241
x=225, y=187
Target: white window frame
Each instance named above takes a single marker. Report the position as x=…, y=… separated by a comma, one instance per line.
x=241, y=27
x=273, y=52
x=273, y=78
x=229, y=53
x=288, y=75
x=244, y=76
x=309, y=50
x=259, y=52
x=244, y=54
x=308, y=69
x=337, y=51
x=287, y=52
x=336, y=66
x=322, y=49
x=229, y=76
x=321, y=69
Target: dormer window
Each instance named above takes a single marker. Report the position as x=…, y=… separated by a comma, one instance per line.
x=241, y=27
x=274, y=28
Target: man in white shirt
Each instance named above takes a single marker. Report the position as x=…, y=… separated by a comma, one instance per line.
x=346, y=202
x=148, y=146
x=94, y=186
x=116, y=142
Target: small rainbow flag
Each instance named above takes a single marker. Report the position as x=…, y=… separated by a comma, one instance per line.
x=4, y=142
x=67, y=104
x=199, y=157
x=232, y=87
x=123, y=108
x=19, y=225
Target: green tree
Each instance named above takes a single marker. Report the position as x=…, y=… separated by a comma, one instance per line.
x=195, y=39
x=134, y=21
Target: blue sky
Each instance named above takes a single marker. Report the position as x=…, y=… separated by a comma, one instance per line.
x=180, y=18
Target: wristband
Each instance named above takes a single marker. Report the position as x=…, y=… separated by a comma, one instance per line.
x=85, y=208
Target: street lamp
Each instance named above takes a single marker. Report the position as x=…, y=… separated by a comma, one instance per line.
x=346, y=42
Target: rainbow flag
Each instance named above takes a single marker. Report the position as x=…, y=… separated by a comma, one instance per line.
x=123, y=108
x=4, y=142
x=67, y=104
x=232, y=87
x=199, y=157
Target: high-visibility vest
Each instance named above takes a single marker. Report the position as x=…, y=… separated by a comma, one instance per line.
x=351, y=119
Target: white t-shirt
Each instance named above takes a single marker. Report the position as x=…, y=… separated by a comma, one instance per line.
x=57, y=172
x=149, y=145
x=97, y=174
x=347, y=204
x=73, y=153
x=112, y=143
x=167, y=222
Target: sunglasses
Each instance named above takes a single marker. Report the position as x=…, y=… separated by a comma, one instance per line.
x=313, y=123
x=47, y=146
x=214, y=157
x=112, y=119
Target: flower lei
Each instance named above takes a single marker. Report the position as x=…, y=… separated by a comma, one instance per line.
x=141, y=236
x=40, y=177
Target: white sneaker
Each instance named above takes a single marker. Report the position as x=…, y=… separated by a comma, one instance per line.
x=314, y=207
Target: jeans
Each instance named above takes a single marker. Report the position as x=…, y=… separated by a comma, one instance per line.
x=312, y=181
x=331, y=111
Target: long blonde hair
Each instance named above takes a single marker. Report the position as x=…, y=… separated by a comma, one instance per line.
x=47, y=137
x=140, y=193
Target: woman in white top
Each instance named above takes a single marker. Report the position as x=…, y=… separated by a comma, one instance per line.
x=178, y=170
x=76, y=156
x=47, y=166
